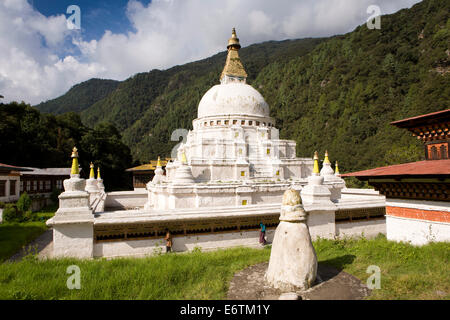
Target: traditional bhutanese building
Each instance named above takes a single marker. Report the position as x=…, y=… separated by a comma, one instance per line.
x=417, y=193
x=143, y=174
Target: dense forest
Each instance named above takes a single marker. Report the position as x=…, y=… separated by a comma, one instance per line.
x=33, y=139
x=338, y=93
x=80, y=96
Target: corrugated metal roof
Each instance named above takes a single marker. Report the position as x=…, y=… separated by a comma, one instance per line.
x=49, y=171
x=419, y=168
x=9, y=167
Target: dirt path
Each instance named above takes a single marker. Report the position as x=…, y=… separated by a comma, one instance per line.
x=331, y=284
x=42, y=245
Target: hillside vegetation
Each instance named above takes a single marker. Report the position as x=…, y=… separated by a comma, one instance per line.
x=80, y=96
x=338, y=93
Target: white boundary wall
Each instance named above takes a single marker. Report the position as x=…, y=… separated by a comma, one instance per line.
x=417, y=231
x=180, y=244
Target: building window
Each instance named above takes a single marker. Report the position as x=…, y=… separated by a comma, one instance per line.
x=227, y=122
x=219, y=122
x=21, y=186
x=59, y=184
x=12, y=187
x=35, y=185
x=41, y=185
x=211, y=123
x=48, y=185
x=2, y=188
x=443, y=150
x=250, y=123
x=243, y=122
x=257, y=123
x=28, y=185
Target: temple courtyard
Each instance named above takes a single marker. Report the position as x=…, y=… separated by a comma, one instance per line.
x=407, y=271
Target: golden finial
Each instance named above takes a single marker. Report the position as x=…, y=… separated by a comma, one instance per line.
x=75, y=169
x=98, y=173
x=158, y=164
x=234, y=40
x=233, y=65
x=336, y=169
x=91, y=174
x=326, y=160
x=316, y=170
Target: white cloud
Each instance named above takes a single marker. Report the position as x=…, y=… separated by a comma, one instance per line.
x=167, y=32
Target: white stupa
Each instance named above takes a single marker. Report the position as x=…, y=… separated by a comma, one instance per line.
x=233, y=144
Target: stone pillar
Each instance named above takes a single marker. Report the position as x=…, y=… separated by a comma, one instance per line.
x=73, y=223
x=293, y=260
x=321, y=210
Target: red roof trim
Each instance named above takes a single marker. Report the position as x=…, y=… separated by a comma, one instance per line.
x=421, y=117
x=419, y=168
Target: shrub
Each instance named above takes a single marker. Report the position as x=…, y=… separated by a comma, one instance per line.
x=11, y=214
x=29, y=216
x=2, y=205
x=24, y=203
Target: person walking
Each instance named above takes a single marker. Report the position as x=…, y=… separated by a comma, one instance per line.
x=262, y=234
x=168, y=239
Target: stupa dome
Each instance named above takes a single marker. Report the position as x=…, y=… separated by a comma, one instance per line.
x=236, y=98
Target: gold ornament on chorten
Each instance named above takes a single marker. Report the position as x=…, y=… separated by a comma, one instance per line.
x=98, y=173
x=326, y=160
x=91, y=173
x=75, y=169
x=183, y=157
x=233, y=65
x=158, y=164
x=336, y=169
x=316, y=170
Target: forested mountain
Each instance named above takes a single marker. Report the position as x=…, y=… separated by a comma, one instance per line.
x=33, y=139
x=339, y=93
x=80, y=96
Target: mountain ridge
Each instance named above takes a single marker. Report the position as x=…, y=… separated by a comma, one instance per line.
x=338, y=93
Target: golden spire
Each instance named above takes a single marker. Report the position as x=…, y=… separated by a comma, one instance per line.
x=233, y=65
x=75, y=168
x=92, y=174
x=316, y=170
x=326, y=160
x=158, y=164
x=98, y=173
x=336, y=169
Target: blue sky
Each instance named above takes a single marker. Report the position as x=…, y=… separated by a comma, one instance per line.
x=97, y=15
x=42, y=58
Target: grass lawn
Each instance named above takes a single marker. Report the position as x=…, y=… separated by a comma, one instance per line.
x=407, y=272
x=14, y=236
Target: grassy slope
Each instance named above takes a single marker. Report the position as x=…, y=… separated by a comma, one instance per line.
x=13, y=236
x=407, y=272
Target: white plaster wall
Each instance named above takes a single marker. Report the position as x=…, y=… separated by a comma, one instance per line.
x=126, y=199
x=418, y=232
x=73, y=240
x=321, y=224
x=367, y=228
x=1, y=215
x=180, y=244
